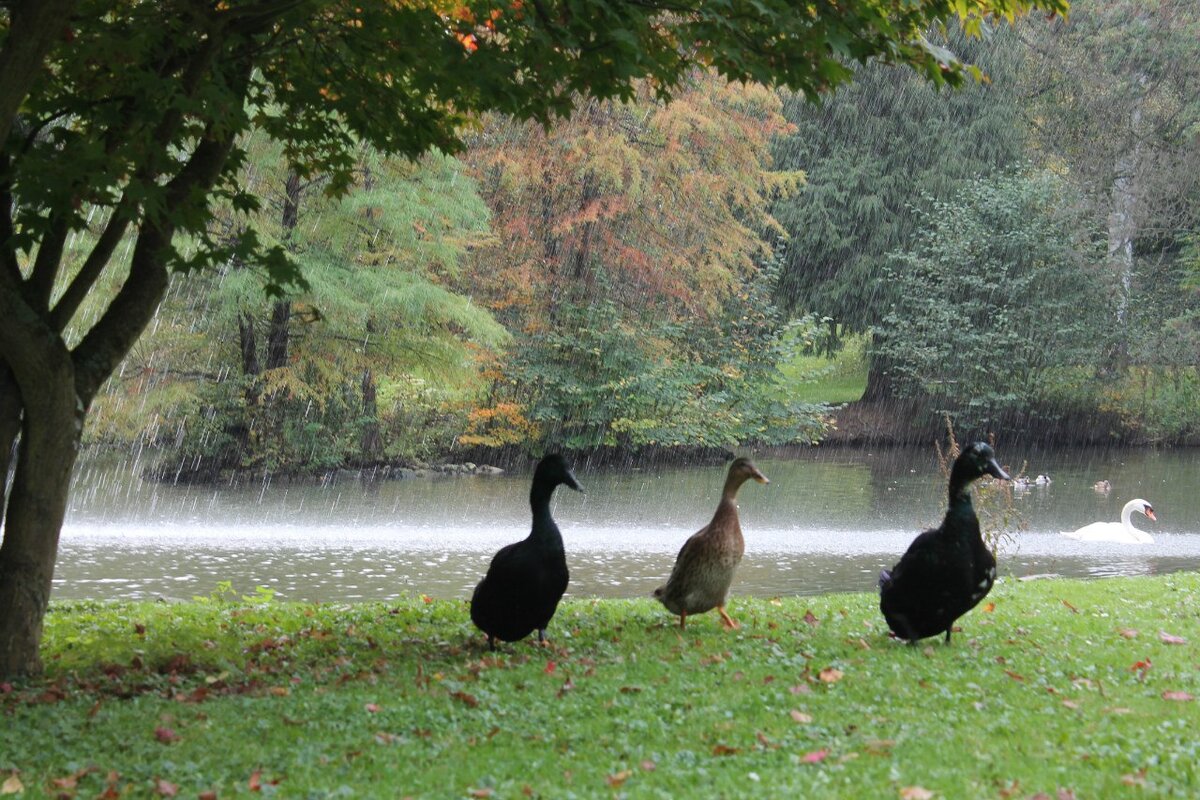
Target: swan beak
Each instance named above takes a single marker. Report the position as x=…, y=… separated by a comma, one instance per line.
x=995, y=470
x=1150, y=513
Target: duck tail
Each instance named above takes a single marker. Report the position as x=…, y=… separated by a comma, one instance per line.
x=659, y=592
x=885, y=579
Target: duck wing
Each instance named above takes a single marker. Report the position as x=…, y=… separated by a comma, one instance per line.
x=924, y=593
x=506, y=604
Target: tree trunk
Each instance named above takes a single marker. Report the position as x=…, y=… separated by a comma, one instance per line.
x=880, y=387
x=372, y=439
x=1123, y=226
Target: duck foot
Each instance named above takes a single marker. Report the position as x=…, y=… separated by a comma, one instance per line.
x=727, y=620
x=491, y=640
x=947, y=635
x=541, y=640
x=683, y=621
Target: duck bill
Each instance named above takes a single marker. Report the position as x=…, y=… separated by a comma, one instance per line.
x=996, y=471
x=758, y=476
x=571, y=482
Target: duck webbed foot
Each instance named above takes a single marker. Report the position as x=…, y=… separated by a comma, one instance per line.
x=541, y=640
x=727, y=620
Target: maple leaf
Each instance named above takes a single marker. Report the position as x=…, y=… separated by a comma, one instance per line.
x=989, y=608
x=830, y=675
x=915, y=793
x=617, y=778
x=165, y=788
x=550, y=667
x=1183, y=697
x=1167, y=638
x=814, y=757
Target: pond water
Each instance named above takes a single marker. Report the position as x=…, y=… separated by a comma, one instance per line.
x=828, y=521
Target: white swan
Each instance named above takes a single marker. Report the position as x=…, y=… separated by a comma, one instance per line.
x=1122, y=531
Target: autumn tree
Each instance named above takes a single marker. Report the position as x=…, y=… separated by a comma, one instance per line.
x=127, y=119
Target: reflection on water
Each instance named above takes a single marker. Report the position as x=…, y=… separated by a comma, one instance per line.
x=828, y=521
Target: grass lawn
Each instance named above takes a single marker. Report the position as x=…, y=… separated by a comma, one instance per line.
x=1056, y=689
x=816, y=379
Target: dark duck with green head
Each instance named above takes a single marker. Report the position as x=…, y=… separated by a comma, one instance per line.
x=526, y=579
x=705, y=565
x=948, y=570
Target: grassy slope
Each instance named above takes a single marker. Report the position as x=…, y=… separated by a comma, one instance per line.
x=809, y=699
x=816, y=379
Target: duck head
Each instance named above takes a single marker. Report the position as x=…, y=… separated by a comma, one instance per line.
x=975, y=461
x=740, y=471
x=553, y=470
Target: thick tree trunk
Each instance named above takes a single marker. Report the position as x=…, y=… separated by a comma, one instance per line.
x=1123, y=227
x=372, y=439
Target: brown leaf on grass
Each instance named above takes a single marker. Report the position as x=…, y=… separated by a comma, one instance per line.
x=568, y=685
x=1128, y=633
x=915, y=793
x=280, y=691
x=1135, y=778
x=1071, y=704
x=550, y=667
x=800, y=717
x=648, y=766
x=12, y=785
x=764, y=741
x=1167, y=638
x=811, y=618
x=166, y=735
x=989, y=608
x=5, y=687
x=465, y=698
x=830, y=675
x=630, y=689
x=484, y=792
x=211, y=794
x=372, y=708
x=1015, y=676
x=881, y=747
x=1065, y=794
x=1074, y=610
x=801, y=688
x=1182, y=697
x=724, y=750
x=617, y=778
x=165, y=788
x=814, y=757
x=256, y=781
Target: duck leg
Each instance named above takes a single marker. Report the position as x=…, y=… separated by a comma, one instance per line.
x=947, y=635
x=682, y=620
x=727, y=620
x=542, y=637
x=491, y=640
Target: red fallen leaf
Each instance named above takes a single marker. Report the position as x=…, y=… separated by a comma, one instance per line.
x=1128, y=633
x=372, y=708
x=915, y=793
x=209, y=795
x=165, y=788
x=256, y=781
x=764, y=741
x=989, y=608
x=616, y=779
x=1015, y=676
x=1141, y=668
x=811, y=618
x=1074, y=610
x=426, y=599
x=815, y=757
x=1167, y=638
x=468, y=699
x=1182, y=697
x=550, y=667
x=724, y=750
x=166, y=735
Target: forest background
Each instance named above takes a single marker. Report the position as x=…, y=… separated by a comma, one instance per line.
x=1020, y=253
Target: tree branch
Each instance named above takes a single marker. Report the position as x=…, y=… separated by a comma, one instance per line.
x=93, y=267
x=35, y=24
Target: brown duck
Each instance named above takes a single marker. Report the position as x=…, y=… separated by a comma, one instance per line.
x=705, y=565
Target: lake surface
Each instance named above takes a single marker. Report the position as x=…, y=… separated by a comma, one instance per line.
x=828, y=521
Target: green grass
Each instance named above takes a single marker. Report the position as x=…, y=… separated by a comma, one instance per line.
x=816, y=379
x=1040, y=694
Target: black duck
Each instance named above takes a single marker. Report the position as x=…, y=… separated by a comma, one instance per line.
x=526, y=579
x=705, y=565
x=948, y=570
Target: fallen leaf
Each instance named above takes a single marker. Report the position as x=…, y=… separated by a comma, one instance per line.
x=469, y=699
x=815, y=757
x=630, y=689
x=800, y=688
x=256, y=781
x=1074, y=610
x=915, y=793
x=989, y=608
x=426, y=599
x=484, y=792
x=1071, y=704
x=1167, y=638
x=12, y=785
x=209, y=795
x=1066, y=794
x=1015, y=676
x=372, y=708
x=724, y=750
x=1182, y=697
x=165, y=788
x=5, y=687
x=166, y=735
x=830, y=675
x=648, y=766
x=550, y=667
x=801, y=717
x=617, y=778
x=811, y=618
x=1134, y=778
x=1128, y=633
